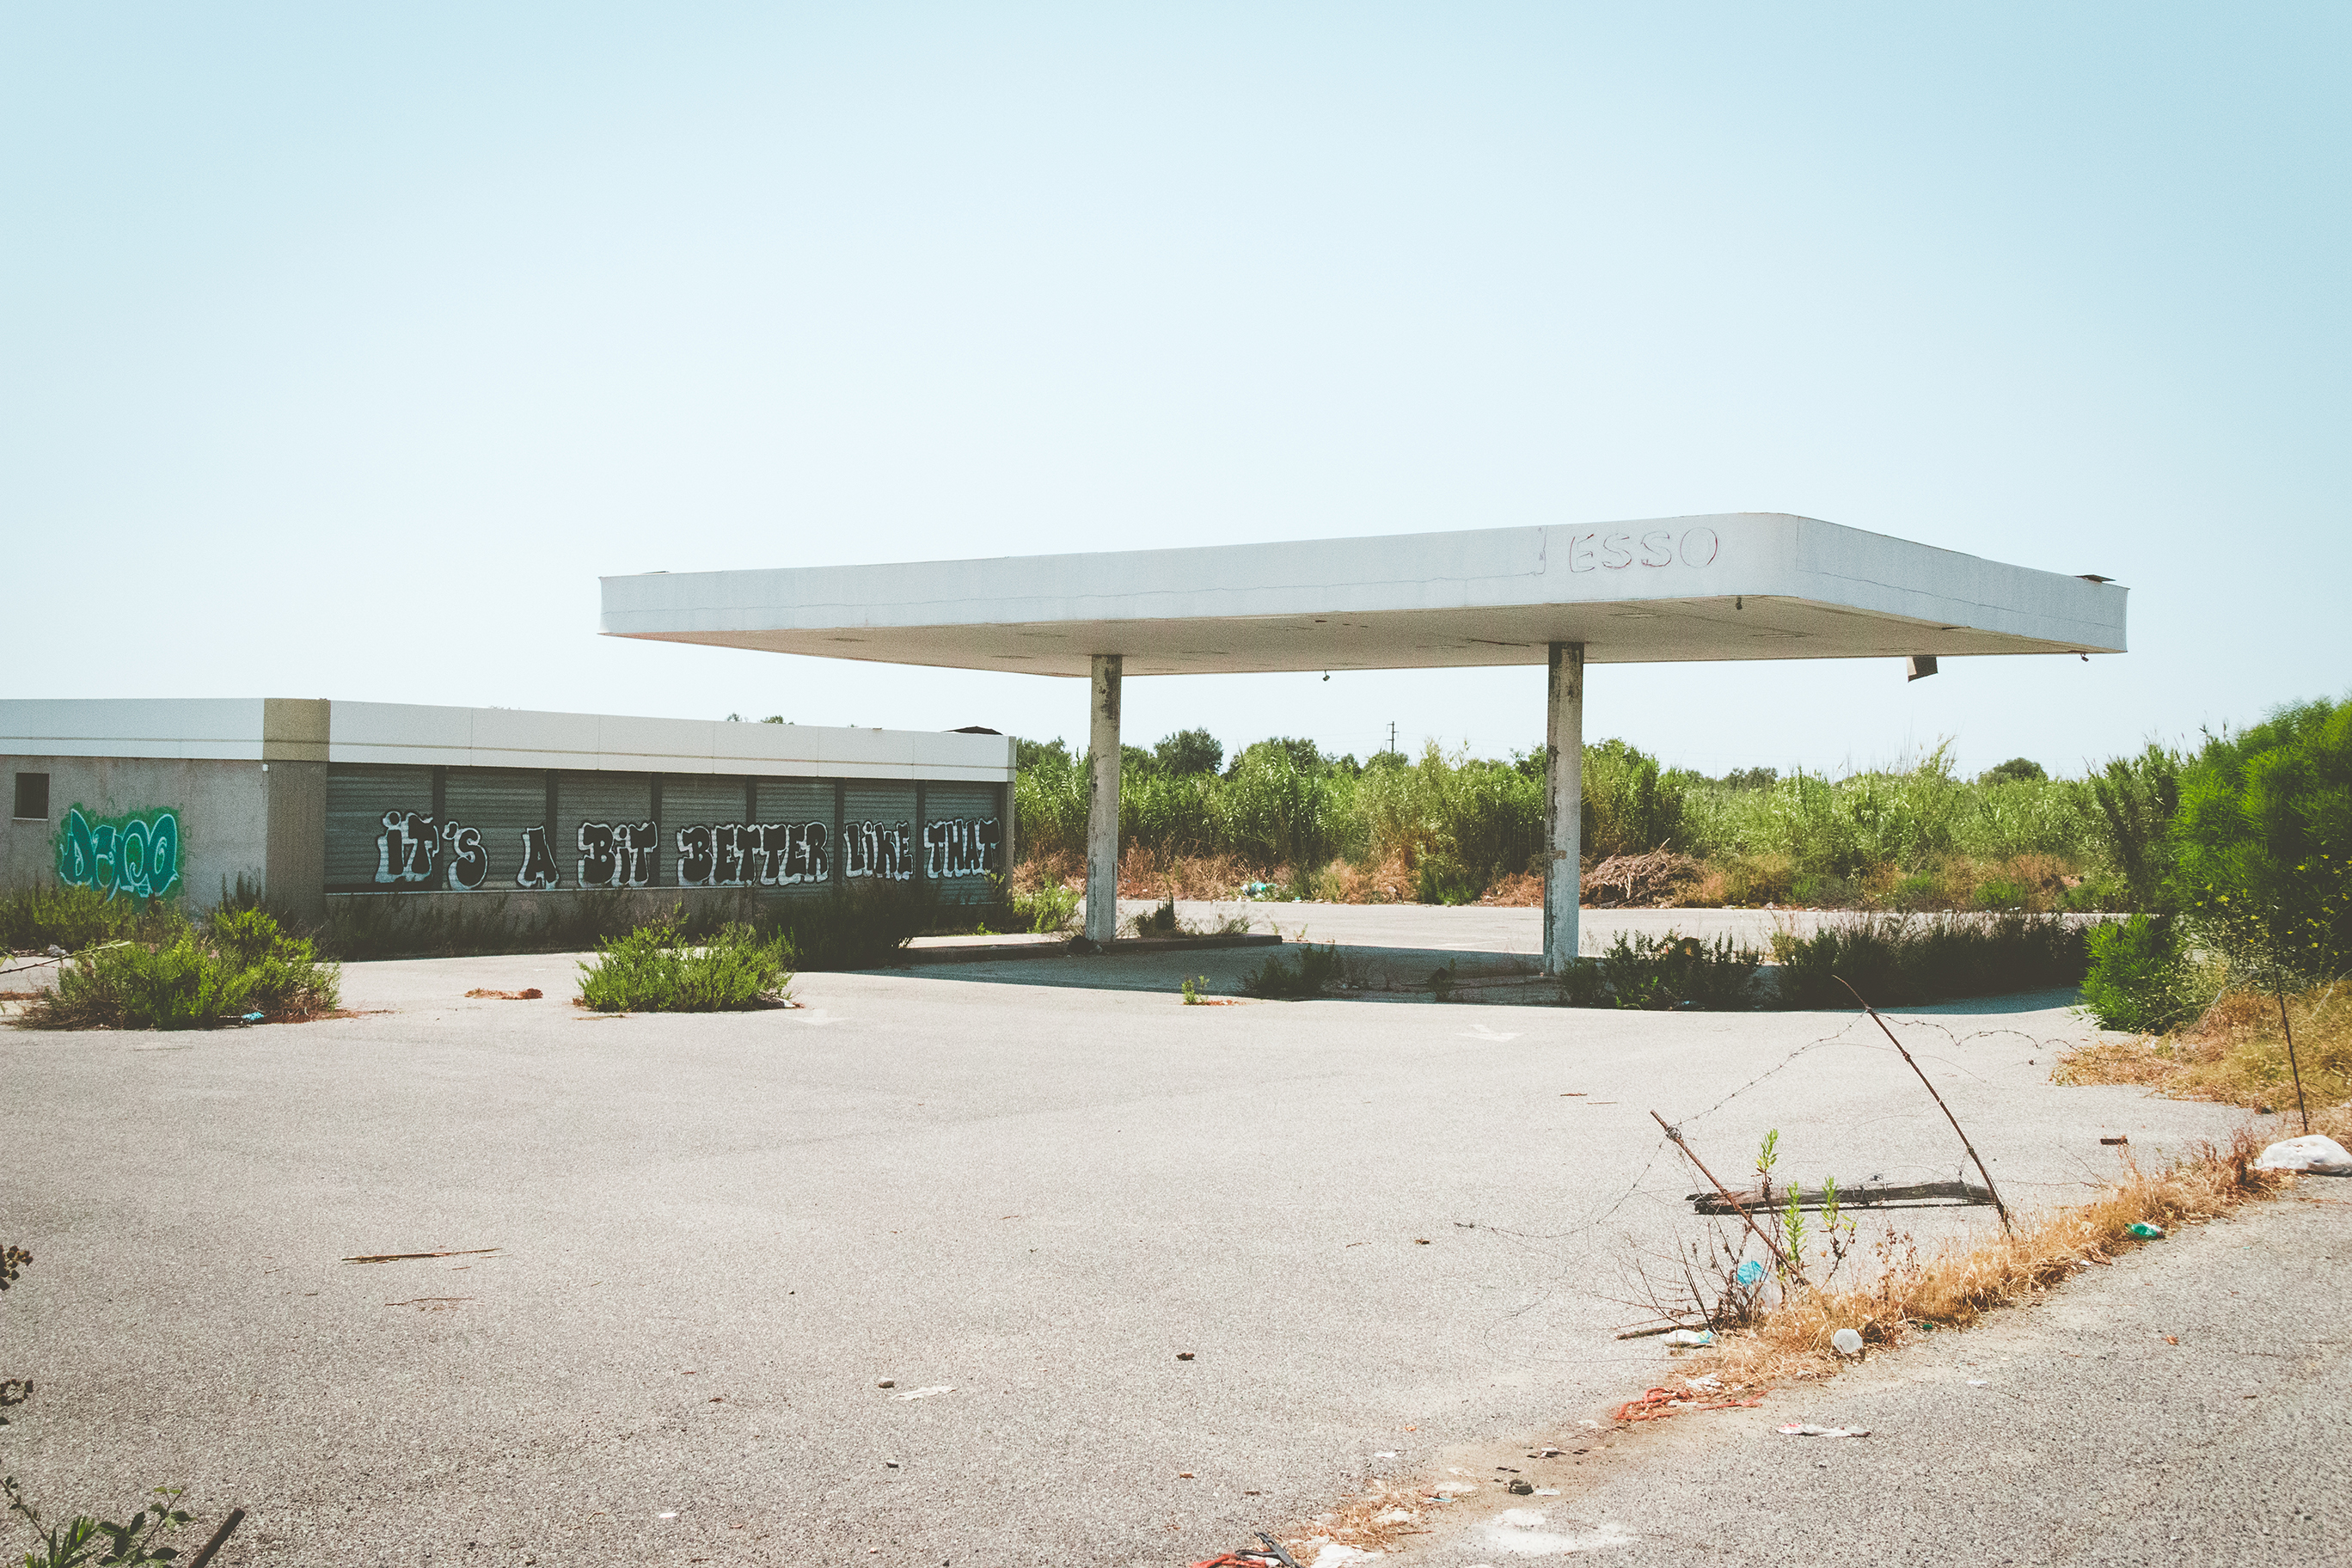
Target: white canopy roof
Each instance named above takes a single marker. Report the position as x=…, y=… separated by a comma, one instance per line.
x=1747, y=585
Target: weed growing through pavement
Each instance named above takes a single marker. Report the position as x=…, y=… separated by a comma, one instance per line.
x=1195, y=988
x=238, y=964
x=1048, y=908
x=86, y=1543
x=1792, y=1237
x=1658, y=972
x=1164, y=921
x=1312, y=971
x=1960, y=1281
x=654, y=969
x=35, y=919
x=1903, y=959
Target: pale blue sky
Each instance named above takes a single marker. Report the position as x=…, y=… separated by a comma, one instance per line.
x=345, y=347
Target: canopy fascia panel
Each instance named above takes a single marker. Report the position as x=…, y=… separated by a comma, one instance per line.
x=1746, y=586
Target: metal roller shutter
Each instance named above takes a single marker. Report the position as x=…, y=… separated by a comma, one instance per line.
x=797, y=833
x=701, y=832
x=508, y=807
x=365, y=856
x=962, y=838
x=605, y=835
x=877, y=830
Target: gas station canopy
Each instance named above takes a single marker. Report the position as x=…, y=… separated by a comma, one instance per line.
x=1749, y=586
x=1745, y=585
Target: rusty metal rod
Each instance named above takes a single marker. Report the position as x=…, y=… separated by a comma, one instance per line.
x=1999, y=1207
x=220, y=1537
x=1675, y=1135
x=2293, y=1066
x=1863, y=1196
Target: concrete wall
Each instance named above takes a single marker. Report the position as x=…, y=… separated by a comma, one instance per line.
x=294, y=736
x=221, y=807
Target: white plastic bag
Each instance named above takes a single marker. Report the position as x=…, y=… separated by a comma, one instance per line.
x=2315, y=1152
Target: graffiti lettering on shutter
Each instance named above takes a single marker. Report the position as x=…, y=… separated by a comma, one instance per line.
x=694, y=856
x=616, y=855
x=751, y=854
x=960, y=847
x=464, y=860
x=539, y=873
x=880, y=849
x=406, y=849
x=639, y=842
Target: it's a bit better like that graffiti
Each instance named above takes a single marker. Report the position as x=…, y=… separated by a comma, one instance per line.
x=141, y=854
x=418, y=850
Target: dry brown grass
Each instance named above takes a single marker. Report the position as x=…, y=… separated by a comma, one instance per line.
x=1359, y=1520
x=1960, y=1281
x=1345, y=882
x=1147, y=874
x=1523, y=891
x=1659, y=880
x=1058, y=869
x=2236, y=1054
x=1743, y=881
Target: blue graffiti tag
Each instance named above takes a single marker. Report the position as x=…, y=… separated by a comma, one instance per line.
x=138, y=854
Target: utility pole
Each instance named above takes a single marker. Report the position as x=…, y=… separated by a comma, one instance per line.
x=1392, y=734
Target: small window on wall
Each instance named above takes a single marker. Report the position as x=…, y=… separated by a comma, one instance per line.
x=32, y=796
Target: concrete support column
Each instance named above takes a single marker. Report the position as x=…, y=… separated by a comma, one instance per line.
x=1563, y=805
x=1102, y=803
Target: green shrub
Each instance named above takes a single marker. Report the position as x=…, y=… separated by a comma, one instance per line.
x=1050, y=795
x=1271, y=811
x=2137, y=799
x=1310, y=972
x=1662, y=972
x=1892, y=960
x=241, y=964
x=1441, y=880
x=2262, y=842
x=1824, y=890
x=654, y=969
x=35, y=919
x=1158, y=920
x=2100, y=892
x=1189, y=752
x=1999, y=893
x=1282, y=805
x=1583, y=984
x=1475, y=820
x=1913, y=893
x=2138, y=977
x=1051, y=908
x=1627, y=808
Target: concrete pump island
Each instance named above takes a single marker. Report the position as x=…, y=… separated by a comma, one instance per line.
x=1693, y=589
